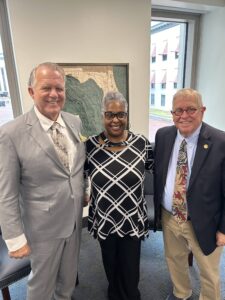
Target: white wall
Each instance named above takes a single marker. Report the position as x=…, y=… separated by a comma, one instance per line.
x=211, y=66
x=85, y=31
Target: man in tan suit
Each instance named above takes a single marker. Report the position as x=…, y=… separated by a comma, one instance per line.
x=40, y=197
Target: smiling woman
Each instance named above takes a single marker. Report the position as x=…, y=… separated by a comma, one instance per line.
x=116, y=164
x=115, y=118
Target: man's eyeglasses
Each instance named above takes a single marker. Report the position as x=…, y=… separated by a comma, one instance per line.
x=109, y=115
x=179, y=111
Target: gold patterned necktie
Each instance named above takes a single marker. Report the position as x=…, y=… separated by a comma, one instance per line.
x=179, y=206
x=60, y=143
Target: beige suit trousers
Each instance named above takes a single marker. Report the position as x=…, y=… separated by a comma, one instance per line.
x=179, y=239
x=54, y=266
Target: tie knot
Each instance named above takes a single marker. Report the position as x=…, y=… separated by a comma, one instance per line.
x=55, y=125
x=183, y=145
x=182, y=154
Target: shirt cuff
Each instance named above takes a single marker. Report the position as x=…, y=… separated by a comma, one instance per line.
x=87, y=186
x=16, y=243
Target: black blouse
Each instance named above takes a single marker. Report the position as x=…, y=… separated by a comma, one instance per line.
x=117, y=204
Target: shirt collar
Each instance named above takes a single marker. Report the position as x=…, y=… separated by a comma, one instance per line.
x=46, y=123
x=192, y=138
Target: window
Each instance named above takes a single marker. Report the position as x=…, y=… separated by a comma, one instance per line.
x=6, y=112
x=163, y=100
x=153, y=80
x=164, y=49
x=9, y=92
x=163, y=78
x=173, y=36
x=152, y=99
x=164, y=57
x=175, y=78
x=176, y=52
x=3, y=79
x=153, y=53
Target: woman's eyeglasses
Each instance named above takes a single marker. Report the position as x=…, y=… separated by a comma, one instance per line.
x=109, y=115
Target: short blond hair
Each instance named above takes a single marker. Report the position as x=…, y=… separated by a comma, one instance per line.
x=49, y=65
x=189, y=92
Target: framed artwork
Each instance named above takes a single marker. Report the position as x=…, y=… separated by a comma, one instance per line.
x=86, y=85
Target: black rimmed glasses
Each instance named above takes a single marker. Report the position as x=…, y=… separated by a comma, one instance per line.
x=189, y=110
x=120, y=115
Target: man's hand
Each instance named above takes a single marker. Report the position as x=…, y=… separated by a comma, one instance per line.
x=86, y=200
x=20, y=253
x=220, y=238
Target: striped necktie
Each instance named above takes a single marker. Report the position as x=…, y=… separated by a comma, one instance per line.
x=179, y=206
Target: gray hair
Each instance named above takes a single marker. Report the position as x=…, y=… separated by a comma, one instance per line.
x=113, y=96
x=49, y=65
x=186, y=92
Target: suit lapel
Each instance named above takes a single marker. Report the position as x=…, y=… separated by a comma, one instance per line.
x=169, y=143
x=73, y=127
x=202, y=151
x=41, y=138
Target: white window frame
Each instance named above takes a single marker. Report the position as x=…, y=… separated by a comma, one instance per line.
x=192, y=40
x=9, y=59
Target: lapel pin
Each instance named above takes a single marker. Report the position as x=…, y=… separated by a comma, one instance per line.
x=82, y=138
x=206, y=146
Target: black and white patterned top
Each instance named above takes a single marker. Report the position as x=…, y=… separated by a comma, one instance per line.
x=117, y=181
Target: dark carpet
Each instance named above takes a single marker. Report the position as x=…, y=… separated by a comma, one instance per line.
x=155, y=283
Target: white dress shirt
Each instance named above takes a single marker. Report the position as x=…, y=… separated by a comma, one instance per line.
x=171, y=174
x=47, y=123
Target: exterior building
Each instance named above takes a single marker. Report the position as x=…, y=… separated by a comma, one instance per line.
x=166, y=63
x=4, y=89
x=6, y=113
